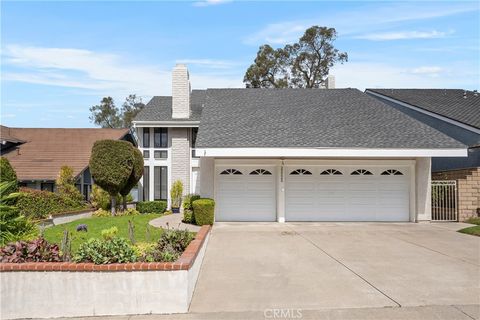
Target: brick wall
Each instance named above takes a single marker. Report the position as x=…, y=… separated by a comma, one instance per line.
x=468, y=186
x=181, y=156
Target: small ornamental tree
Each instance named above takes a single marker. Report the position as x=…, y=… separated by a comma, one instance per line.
x=111, y=165
x=7, y=174
x=135, y=176
x=65, y=184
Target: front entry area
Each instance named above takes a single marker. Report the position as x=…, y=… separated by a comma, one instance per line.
x=343, y=190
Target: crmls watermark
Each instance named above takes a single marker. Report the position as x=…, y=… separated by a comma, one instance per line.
x=282, y=313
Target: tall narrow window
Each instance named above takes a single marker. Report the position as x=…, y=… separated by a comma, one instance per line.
x=194, y=141
x=146, y=137
x=160, y=137
x=160, y=180
x=146, y=183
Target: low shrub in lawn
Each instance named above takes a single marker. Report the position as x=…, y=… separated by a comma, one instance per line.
x=171, y=245
x=38, y=204
x=110, y=249
x=38, y=250
x=151, y=206
x=203, y=211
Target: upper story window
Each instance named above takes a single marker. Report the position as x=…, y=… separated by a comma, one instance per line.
x=146, y=137
x=160, y=137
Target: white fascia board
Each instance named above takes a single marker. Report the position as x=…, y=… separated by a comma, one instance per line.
x=329, y=152
x=171, y=124
x=429, y=113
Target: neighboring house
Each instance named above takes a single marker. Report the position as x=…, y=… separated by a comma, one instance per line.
x=456, y=113
x=290, y=154
x=37, y=154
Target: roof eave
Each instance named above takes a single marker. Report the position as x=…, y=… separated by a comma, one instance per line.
x=332, y=152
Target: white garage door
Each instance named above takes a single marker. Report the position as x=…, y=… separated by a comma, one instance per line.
x=245, y=194
x=347, y=193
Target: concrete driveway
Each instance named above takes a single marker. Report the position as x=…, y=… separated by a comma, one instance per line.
x=316, y=266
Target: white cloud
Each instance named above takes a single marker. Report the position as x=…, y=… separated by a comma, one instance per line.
x=206, y=3
x=102, y=73
x=368, y=19
x=428, y=70
x=404, y=35
x=363, y=75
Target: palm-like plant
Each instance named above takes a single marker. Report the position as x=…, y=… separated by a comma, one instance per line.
x=13, y=225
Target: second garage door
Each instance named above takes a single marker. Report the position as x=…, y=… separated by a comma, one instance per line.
x=347, y=194
x=245, y=193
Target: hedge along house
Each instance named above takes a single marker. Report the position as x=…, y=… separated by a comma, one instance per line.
x=290, y=154
x=37, y=154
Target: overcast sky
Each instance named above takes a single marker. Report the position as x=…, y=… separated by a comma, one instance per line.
x=59, y=58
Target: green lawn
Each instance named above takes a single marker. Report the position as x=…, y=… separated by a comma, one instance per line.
x=96, y=225
x=475, y=230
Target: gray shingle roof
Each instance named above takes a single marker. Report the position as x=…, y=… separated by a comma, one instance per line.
x=449, y=103
x=159, y=108
x=334, y=118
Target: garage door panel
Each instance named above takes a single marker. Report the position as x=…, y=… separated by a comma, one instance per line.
x=347, y=197
x=245, y=197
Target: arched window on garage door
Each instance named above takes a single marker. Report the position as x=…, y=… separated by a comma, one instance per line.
x=230, y=172
x=361, y=172
x=331, y=172
x=391, y=172
x=260, y=172
x=300, y=172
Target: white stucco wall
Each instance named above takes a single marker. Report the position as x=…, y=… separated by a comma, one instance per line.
x=207, y=177
x=423, y=190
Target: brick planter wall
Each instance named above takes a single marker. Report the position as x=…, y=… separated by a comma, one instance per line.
x=62, y=289
x=468, y=186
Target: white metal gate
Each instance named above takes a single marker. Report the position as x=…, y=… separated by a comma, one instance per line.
x=444, y=200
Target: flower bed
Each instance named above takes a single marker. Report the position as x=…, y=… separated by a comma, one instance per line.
x=65, y=289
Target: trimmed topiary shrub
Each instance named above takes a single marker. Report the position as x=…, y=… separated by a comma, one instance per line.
x=38, y=204
x=152, y=206
x=7, y=174
x=137, y=173
x=204, y=211
x=111, y=164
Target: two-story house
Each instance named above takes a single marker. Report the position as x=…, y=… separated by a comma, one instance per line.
x=290, y=154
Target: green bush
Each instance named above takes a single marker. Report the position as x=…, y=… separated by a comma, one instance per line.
x=114, y=250
x=152, y=206
x=171, y=245
x=203, y=211
x=188, y=200
x=38, y=204
x=65, y=184
x=188, y=216
x=13, y=225
x=137, y=173
x=145, y=251
x=473, y=220
x=7, y=174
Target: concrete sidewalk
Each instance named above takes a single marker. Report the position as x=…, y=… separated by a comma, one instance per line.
x=459, y=312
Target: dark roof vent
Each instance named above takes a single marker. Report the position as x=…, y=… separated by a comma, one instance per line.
x=464, y=94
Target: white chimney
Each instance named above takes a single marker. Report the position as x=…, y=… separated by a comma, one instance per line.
x=180, y=92
x=330, y=82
